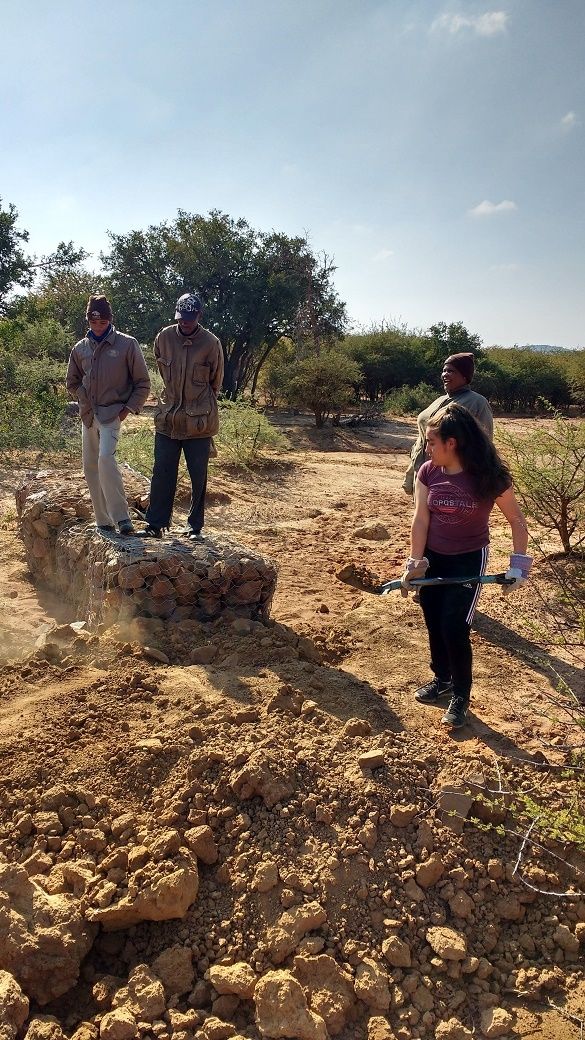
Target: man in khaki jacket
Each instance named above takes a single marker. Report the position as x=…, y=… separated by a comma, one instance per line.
x=190, y=361
x=107, y=375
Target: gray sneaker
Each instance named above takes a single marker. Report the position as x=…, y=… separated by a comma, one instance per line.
x=126, y=528
x=433, y=691
x=456, y=714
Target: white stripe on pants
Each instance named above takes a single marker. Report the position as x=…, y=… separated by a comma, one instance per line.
x=100, y=469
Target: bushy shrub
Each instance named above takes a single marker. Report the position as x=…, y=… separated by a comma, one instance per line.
x=548, y=467
x=136, y=446
x=324, y=384
x=245, y=435
x=44, y=339
x=29, y=420
x=410, y=400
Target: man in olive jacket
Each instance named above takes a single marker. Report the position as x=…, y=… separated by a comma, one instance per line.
x=107, y=375
x=458, y=370
x=190, y=361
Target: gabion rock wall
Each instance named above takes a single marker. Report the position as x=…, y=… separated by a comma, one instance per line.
x=113, y=578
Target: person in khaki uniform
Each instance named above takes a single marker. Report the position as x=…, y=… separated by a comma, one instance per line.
x=190, y=361
x=107, y=375
x=456, y=376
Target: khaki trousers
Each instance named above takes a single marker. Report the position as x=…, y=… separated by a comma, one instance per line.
x=101, y=471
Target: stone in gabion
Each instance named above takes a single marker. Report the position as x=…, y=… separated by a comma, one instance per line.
x=113, y=578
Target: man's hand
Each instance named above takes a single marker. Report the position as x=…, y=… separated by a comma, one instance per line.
x=413, y=569
x=123, y=414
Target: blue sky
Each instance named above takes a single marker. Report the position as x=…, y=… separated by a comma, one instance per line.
x=435, y=149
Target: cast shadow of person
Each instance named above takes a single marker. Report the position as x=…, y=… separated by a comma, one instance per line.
x=297, y=664
x=560, y=673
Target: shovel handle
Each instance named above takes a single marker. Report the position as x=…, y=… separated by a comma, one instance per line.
x=478, y=579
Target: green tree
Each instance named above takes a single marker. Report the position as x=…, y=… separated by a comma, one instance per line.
x=323, y=383
x=44, y=340
x=516, y=379
x=446, y=339
x=256, y=287
x=389, y=357
x=62, y=296
x=17, y=270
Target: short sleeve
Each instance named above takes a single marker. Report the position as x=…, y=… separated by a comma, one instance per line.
x=423, y=473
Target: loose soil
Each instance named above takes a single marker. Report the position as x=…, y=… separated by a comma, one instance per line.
x=83, y=722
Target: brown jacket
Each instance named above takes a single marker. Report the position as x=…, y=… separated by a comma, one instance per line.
x=107, y=377
x=192, y=370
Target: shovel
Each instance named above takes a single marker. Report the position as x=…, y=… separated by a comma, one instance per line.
x=362, y=579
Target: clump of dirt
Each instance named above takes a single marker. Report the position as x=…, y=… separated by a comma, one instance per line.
x=359, y=577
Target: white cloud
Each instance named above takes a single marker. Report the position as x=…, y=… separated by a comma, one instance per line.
x=569, y=121
x=383, y=254
x=488, y=24
x=504, y=268
x=488, y=209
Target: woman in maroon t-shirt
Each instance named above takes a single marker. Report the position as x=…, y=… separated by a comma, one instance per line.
x=454, y=495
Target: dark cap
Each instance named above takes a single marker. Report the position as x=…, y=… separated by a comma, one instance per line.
x=188, y=307
x=98, y=309
x=464, y=363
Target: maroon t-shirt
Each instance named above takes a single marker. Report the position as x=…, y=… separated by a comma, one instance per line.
x=459, y=520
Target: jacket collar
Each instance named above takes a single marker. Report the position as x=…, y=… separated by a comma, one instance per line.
x=182, y=336
x=106, y=339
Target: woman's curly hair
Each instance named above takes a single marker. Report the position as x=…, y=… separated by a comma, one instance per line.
x=490, y=474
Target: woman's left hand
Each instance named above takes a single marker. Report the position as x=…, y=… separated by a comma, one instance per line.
x=518, y=571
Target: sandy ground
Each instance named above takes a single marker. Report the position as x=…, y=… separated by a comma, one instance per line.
x=305, y=511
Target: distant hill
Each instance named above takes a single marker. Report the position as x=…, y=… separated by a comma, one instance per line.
x=537, y=348
x=541, y=348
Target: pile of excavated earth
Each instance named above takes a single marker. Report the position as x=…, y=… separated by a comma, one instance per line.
x=197, y=842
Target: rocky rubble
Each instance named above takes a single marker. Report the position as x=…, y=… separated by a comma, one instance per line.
x=278, y=875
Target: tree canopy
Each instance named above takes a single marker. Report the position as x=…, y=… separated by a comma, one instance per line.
x=17, y=270
x=256, y=286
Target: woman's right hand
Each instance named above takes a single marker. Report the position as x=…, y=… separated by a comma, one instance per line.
x=414, y=569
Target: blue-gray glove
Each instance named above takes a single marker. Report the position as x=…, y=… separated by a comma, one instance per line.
x=519, y=569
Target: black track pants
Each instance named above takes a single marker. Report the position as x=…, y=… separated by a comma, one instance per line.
x=167, y=452
x=448, y=611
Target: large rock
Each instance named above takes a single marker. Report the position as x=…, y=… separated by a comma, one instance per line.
x=119, y=1024
x=283, y=938
x=44, y=1027
x=161, y=894
x=453, y=1029
x=496, y=1021
x=234, y=979
x=372, y=985
x=397, y=952
x=270, y=776
x=13, y=1006
x=143, y=996
x=281, y=1009
x=447, y=943
x=329, y=988
x=43, y=938
x=174, y=967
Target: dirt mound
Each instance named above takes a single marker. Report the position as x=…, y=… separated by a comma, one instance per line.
x=257, y=831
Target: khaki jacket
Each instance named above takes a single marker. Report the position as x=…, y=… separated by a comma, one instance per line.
x=192, y=371
x=107, y=377
x=475, y=403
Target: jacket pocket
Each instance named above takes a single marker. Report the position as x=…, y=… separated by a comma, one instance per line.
x=165, y=368
x=198, y=392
